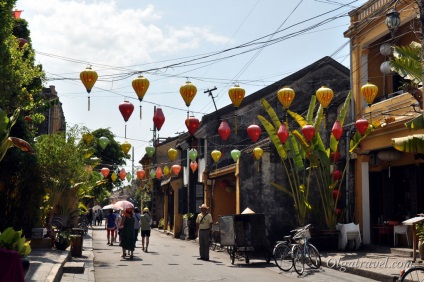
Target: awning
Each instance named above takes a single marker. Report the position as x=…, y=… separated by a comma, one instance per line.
x=223, y=171
x=409, y=144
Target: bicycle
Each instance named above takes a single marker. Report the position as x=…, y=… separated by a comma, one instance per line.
x=83, y=224
x=304, y=252
x=413, y=273
x=282, y=252
x=214, y=240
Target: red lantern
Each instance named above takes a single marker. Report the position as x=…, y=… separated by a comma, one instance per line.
x=158, y=118
x=337, y=130
x=283, y=133
x=335, y=156
x=362, y=125
x=122, y=173
x=339, y=211
x=176, y=169
x=224, y=130
x=28, y=118
x=336, y=194
x=140, y=174
x=192, y=124
x=126, y=109
x=308, y=131
x=22, y=42
x=158, y=172
x=254, y=132
x=105, y=172
x=193, y=166
x=337, y=174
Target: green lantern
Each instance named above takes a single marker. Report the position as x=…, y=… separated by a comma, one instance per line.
x=192, y=154
x=103, y=142
x=152, y=173
x=235, y=154
x=150, y=150
x=129, y=176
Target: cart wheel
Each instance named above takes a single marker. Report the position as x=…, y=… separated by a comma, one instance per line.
x=232, y=252
x=246, y=256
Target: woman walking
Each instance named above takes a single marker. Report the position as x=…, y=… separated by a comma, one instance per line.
x=127, y=233
x=145, y=223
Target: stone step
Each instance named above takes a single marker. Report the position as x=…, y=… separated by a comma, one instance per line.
x=73, y=267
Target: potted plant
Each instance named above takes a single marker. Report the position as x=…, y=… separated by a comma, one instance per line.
x=15, y=241
x=62, y=239
x=419, y=232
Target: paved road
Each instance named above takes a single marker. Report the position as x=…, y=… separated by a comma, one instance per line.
x=177, y=260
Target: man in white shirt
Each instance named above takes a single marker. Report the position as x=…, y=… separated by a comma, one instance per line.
x=203, y=229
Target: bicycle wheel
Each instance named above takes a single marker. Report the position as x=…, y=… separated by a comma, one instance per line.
x=283, y=256
x=415, y=273
x=298, y=259
x=314, y=257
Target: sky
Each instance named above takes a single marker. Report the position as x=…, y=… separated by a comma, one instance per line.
x=217, y=43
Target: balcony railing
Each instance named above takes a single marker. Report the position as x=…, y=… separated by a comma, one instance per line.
x=370, y=7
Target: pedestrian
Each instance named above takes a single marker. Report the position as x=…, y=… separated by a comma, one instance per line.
x=145, y=223
x=137, y=217
x=203, y=229
x=111, y=227
x=100, y=218
x=118, y=225
x=96, y=216
x=90, y=216
x=127, y=233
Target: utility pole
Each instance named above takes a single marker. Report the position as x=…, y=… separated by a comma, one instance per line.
x=209, y=91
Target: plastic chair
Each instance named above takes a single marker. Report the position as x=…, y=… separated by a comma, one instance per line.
x=400, y=230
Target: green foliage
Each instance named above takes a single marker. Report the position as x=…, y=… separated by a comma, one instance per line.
x=419, y=231
x=15, y=241
x=161, y=223
x=407, y=62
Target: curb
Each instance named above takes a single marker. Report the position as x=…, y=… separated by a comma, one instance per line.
x=56, y=272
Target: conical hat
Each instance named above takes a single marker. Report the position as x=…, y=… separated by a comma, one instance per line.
x=248, y=211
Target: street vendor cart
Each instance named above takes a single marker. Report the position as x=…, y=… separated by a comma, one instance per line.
x=245, y=236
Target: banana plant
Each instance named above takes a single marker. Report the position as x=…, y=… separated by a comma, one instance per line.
x=6, y=141
x=305, y=161
x=15, y=241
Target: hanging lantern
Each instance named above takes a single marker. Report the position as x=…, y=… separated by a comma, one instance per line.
x=113, y=176
x=224, y=130
x=126, y=147
x=235, y=154
x=283, y=133
x=192, y=154
x=324, y=96
x=216, y=155
x=158, y=118
x=176, y=169
x=188, y=91
x=129, y=176
x=336, y=194
x=140, y=86
x=122, y=173
x=337, y=130
x=103, y=142
x=388, y=156
x=369, y=91
x=361, y=125
x=140, y=174
x=172, y=154
x=152, y=173
x=87, y=137
x=236, y=94
x=308, y=131
x=126, y=109
x=337, y=175
x=166, y=170
x=105, y=172
x=88, y=78
x=286, y=96
x=335, y=156
x=339, y=211
x=193, y=166
x=158, y=172
x=254, y=132
x=150, y=150
x=258, y=152
x=192, y=124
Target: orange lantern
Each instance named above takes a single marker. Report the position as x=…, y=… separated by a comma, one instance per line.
x=176, y=169
x=140, y=174
x=105, y=172
x=88, y=78
x=193, y=166
x=122, y=173
x=236, y=94
x=140, y=86
x=126, y=147
x=158, y=172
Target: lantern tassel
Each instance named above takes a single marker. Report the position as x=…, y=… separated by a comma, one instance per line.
x=259, y=166
x=140, y=110
x=236, y=124
x=88, y=102
x=125, y=131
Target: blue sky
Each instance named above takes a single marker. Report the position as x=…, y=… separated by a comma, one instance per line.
x=121, y=38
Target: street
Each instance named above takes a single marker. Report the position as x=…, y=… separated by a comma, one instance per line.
x=177, y=260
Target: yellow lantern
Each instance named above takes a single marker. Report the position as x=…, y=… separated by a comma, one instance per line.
x=286, y=96
x=88, y=78
x=172, y=154
x=257, y=153
x=188, y=91
x=236, y=94
x=166, y=170
x=369, y=91
x=140, y=86
x=126, y=147
x=216, y=155
x=113, y=176
x=324, y=96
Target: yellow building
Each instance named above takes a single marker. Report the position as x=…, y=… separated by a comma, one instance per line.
x=388, y=183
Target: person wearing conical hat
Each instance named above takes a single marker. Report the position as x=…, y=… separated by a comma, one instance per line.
x=203, y=229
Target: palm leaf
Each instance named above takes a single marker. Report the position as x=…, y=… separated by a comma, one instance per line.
x=416, y=123
x=274, y=118
x=407, y=62
x=270, y=129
